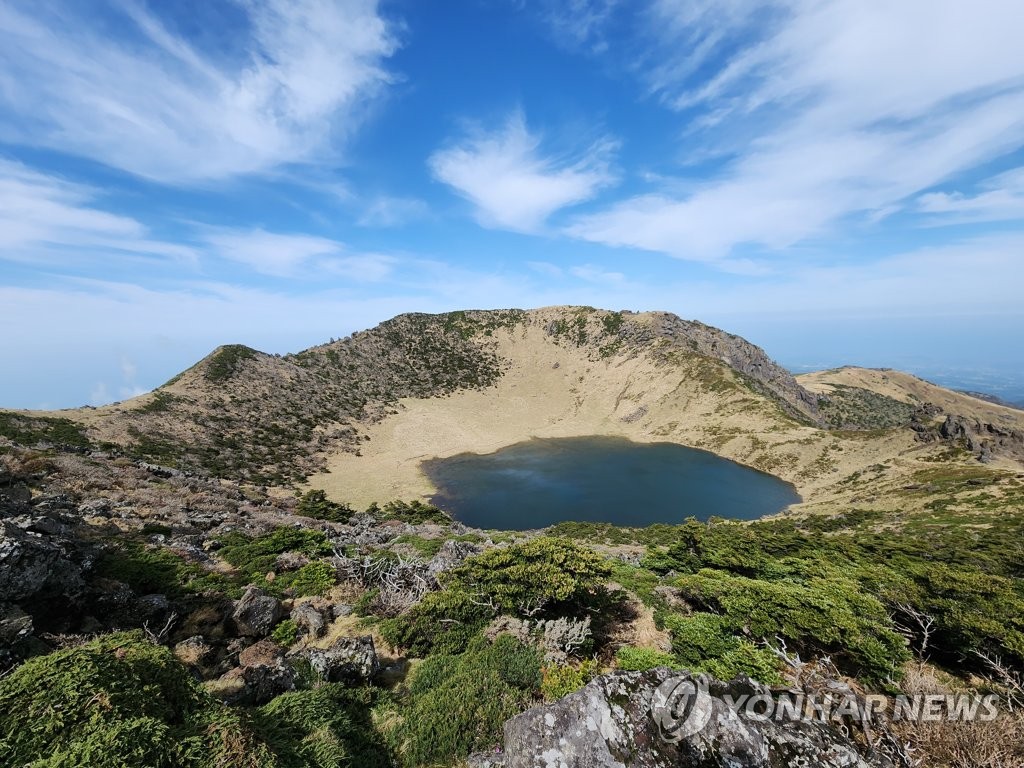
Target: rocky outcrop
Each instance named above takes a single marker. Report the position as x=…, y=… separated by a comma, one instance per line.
x=349, y=660
x=256, y=613
x=637, y=719
x=742, y=356
x=983, y=439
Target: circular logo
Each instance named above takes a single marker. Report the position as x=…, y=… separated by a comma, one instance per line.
x=681, y=707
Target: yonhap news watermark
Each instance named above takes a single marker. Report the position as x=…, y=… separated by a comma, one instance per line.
x=682, y=707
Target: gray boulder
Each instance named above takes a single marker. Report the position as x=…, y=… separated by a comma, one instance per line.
x=611, y=723
x=349, y=660
x=309, y=619
x=256, y=613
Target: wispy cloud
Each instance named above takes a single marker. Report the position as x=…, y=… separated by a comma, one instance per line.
x=1000, y=199
x=154, y=104
x=45, y=219
x=580, y=23
x=512, y=184
x=295, y=255
x=830, y=110
x=390, y=211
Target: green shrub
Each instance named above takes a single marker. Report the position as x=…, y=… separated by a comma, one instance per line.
x=704, y=642
x=330, y=726
x=562, y=679
x=314, y=578
x=634, y=659
x=830, y=613
x=458, y=703
x=255, y=557
x=118, y=701
x=525, y=578
x=413, y=512
x=226, y=361
x=315, y=504
x=29, y=430
x=443, y=622
x=154, y=570
x=285, y=633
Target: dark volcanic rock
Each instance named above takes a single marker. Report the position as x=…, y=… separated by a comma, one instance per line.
x=256, y=613
x=609, y=724
x=31, y=563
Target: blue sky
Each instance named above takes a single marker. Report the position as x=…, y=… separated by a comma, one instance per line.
x=840, y=181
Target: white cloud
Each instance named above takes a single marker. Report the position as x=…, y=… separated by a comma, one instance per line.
x=513, y=185
x=153, y=104
x=389, y=211
x=839, y=109
x=46, y=219
x=1001, y=200
x=580, y=23
x=295, y=255
x=271, y=253
x=593, y=274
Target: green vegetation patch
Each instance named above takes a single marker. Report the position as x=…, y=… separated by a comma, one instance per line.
x=522, y=580
x=227, y=361
x=256, y=557
x=120, y=701
x=29, y=430
x=315, y=504
x=847, y=407
x=458, y=703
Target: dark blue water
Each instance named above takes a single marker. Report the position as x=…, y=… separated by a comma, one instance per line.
x=600, y=479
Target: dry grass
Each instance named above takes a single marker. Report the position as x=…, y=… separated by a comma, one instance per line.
x=958, y=744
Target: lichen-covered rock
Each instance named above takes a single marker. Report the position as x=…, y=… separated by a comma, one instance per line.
x=350, y=659
x=256, y=613
x=609, y=724
x=310, y=619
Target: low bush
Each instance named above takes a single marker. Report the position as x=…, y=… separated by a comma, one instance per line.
x=413, y=512
x=315, y=504
x=285, y=633
x=560, y=680
x=118, y=701
x=458, y=703
x=329, y=726
x=824, y=611
x=633, y=659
